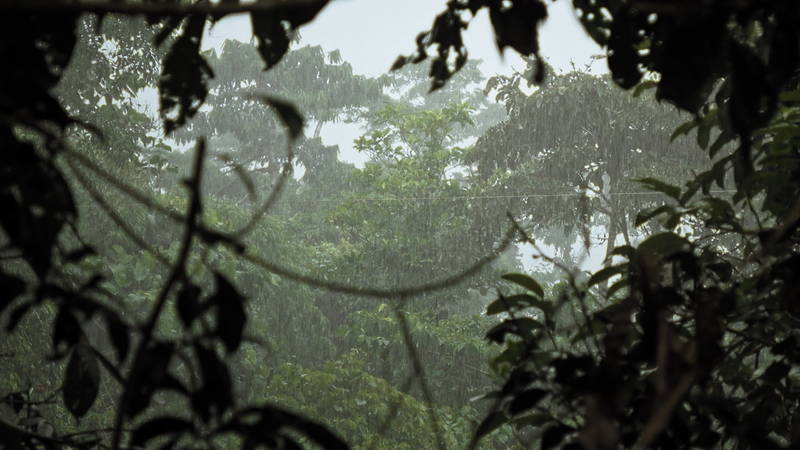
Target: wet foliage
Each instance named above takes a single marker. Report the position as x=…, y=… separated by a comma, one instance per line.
x=685, y=338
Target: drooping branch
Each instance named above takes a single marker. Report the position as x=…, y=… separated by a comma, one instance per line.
x=211, y=236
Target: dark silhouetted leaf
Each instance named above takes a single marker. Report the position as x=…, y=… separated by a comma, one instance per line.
x=149, y=374
x=271, y=37
x=66, y=330
x=624, y=250
x=519, y=301
x=606, y=273
x=184, y=76
x=684, y=128
x=16, y=315
x=623, y=59
x=554, y=435
x=776, y=372
x=399, y=63
x=662, y=245
x=490, y=423
x=288, y=114
x=231, y=315
x=118, y=332
x=11, y=287
x=515, y=26
x=526, y=282
x=643, y=86
x=526, y=400
x=216, y=395
x=659, y=186
x=188, y=303
x=523, y=327
x=159, y=426
x=273, y=29
x=645, y=215
x=81, y=380
x=266, y=424
x=79, y=254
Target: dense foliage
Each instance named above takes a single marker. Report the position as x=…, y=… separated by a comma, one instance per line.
x=195, y=292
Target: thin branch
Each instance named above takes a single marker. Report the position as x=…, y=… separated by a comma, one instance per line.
x=410, y=291
x=274, y=194
x=110, y=367
x=419, y=374
x=659, y=420
x=178, y=272
x=213, y=236
x=208, y=235
x=394, y=408
x=127, y=189
x=112, y=214
x=12, y=434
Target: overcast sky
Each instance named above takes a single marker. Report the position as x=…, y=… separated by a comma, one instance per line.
x=370, y=34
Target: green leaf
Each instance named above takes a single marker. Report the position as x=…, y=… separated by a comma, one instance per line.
x=790, y=96
x=643, y=86
x=492, y=422
x=526, y=282
x=683, y=129
x=719, y=142
x=703, y=135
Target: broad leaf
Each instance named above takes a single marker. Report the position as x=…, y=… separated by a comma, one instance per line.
x=231, y=316
x=81, y=380
x=526, y=282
